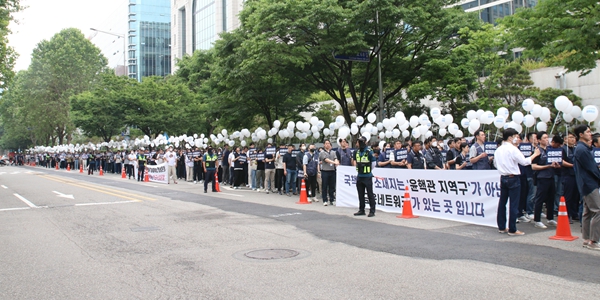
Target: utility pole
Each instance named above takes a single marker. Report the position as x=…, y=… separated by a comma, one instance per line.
x=124, y=45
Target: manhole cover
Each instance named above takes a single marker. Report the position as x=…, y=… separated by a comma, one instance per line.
x=270, y=254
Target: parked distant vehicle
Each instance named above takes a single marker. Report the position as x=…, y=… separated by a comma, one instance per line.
x=4, y=161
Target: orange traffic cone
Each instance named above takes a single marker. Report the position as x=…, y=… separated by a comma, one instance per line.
x=407, y=207
x=563, y=229
x=68, y=167
x=123, y=175
x=57, y=165
x=101, y=172
x=303, y=195
x=217, y=188
x=80, y=168
x=146, y=176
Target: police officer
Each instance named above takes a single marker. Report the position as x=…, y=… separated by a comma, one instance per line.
x=141, y=158
x=210, y=162
x=363, y=159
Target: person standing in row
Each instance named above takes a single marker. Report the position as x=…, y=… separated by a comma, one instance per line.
x=290, y=171
x=171, y=159
x=329, y=162
x=363, y=161
x=478, y=156
x=141, y=160
x=310, y=165
x=588, y=181
x=239, y=159
x=269, y=171
x=545, y=183
x=210, y=167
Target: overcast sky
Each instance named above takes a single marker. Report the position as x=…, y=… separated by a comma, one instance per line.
x=44, y=18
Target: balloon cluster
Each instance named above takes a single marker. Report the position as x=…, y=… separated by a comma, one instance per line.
x=421, y=126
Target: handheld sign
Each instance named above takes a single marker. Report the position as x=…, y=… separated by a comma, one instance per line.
x=282, y=150
x=270, y=150
x=295, y=153
x=596, y=154
x=554, y=155
x=490, y=148
x=526, y=149
x=252, y=153
x=260, y=156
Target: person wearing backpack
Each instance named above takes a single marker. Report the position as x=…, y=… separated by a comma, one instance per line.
x=310, y=163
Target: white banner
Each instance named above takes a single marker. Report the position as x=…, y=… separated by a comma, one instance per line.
x=156, y=173
x=460, y=195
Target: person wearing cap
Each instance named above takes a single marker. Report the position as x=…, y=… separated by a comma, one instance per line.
x=363, y=161
x=210, y=166
x=171, y=159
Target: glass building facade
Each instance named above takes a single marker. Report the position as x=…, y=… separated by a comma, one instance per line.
x=149, y=38
x=491, y=10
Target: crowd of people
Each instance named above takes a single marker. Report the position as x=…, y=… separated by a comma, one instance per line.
x=280, y=169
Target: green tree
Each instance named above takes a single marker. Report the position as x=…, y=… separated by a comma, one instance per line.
x=99, y=112
x=554, y=28
x=64, y=66
x=16, y=124
x=301, y=36
x=8, y=55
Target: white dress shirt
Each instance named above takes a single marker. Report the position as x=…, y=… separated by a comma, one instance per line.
x=507, y=159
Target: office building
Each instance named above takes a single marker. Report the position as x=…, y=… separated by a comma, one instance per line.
x=490, y=10
x=149, y=38
x=196, y=24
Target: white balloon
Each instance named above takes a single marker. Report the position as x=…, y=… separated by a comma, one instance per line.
x=435, y=112
x=414, y=121
x=479, y=112
x=464, y=123
x=270, y=140
x=561, y=102
x=423, y=119
x=368, y=127
x=449, y=119
x=360, y=120
x=471, y=130
x=453, y=128
x=400, y=117
x=314, y=128
x=541, y=126
x=528, y=105
x=529, y=121
x=344, y=131
x=442, y=132
x=458, y=134
x=339, y=120
x=423, y=129
x=567, y=117
x=474, y=124
x=243, y=143
x=388, y=134
x=320, y=124
x=569, y=107
x=545, y=116
x=404, y=126
x=326, y=131
x=536, y=111
x=371, y=118
x=291, y=125
x=381, y=135
x=488, y=118
x=499, y=121
x=517, y=117
x=503, y=112
x=374, y=130
x=354, y=129
x=471, y=114
x=416, y=133
x=314, y=120
x=303, y=136
x=231, y=143
x=575, y=111
x=395, y=133
x=205, y=140
x=428, y=134
x=380, y=126
x=590, y=113
x=405, y=133
x=276, y=123
x=519, y=128
x=367, y=135
x=316, y=135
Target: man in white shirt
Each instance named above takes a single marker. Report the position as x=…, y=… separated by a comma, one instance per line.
x=507, y=160
x=171, y=159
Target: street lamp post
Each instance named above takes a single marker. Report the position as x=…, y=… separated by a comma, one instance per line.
x=124, y=44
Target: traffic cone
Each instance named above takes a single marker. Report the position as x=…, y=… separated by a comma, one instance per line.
x=146, y=176
x=101, y=172
x=56, y=165
x=123, y=175
x=68, y=167
x=217, y=188
x=80, y=168
x=406, y=206
x=563, y=229
x=303, y=196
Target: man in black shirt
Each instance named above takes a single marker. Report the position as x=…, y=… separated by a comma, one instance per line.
x=290, y=171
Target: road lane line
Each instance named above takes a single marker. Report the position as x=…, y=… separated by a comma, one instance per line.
x=3, y=186
x=96, y=188
x=230, y=194
x=17, y=208
x=26, y=201
x=105, y=203
x=93, y=189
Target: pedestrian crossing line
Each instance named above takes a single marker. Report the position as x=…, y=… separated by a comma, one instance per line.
x=112, y=193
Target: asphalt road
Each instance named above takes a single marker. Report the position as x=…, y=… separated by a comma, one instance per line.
x=65, y=235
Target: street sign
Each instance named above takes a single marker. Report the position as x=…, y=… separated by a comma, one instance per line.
x=360, y=57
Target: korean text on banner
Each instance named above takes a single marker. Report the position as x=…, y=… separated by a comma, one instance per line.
x=463, y=196
x=158, y=173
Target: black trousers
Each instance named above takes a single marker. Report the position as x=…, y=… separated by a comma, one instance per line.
x=210, y=176
x=572, y=197
x=523, y=195
x=362, y=184
x=545, y=194
x=279, y=179
x=198, y=171
x=311, y=184
x=141, y=169
x=238, y=177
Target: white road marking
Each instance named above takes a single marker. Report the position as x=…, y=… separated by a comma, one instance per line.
x=285, y=215
x=230, y=194
x=15, y=173
x=17, y=208
x=26, y=201
x=3, y=186
x=104, y=203
x=63, y=195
